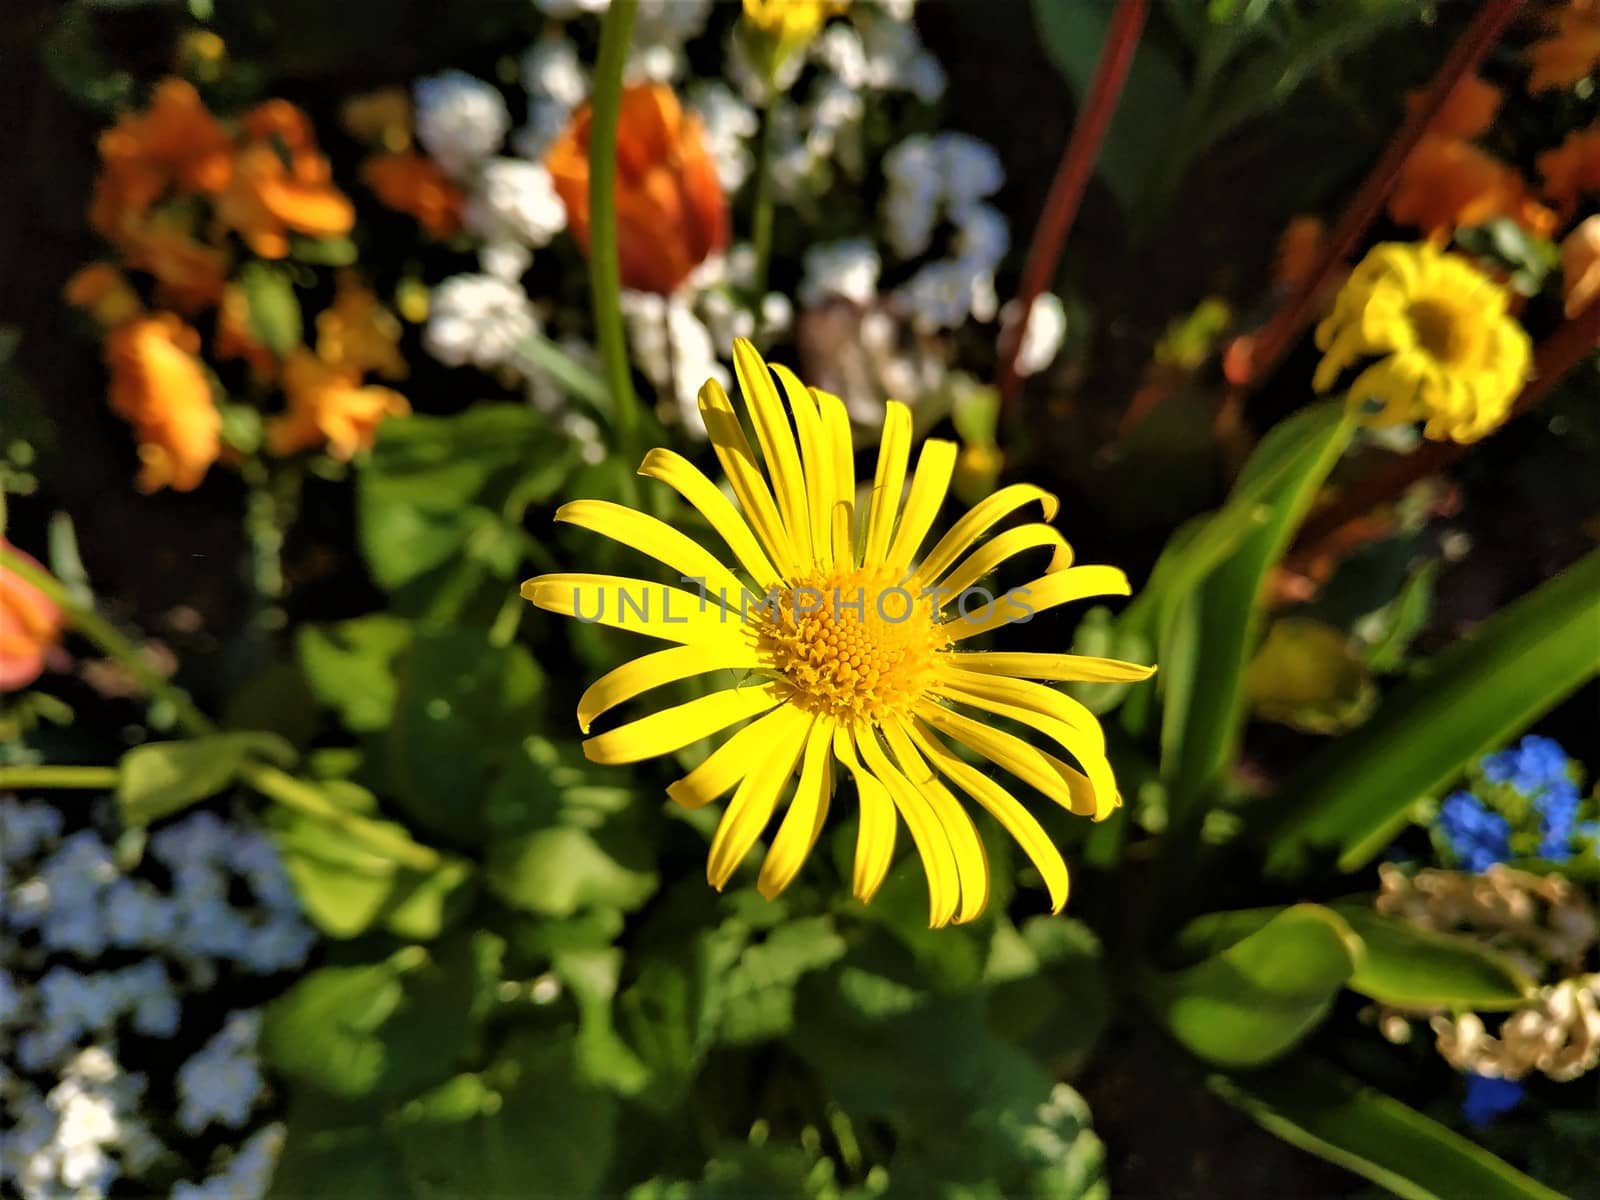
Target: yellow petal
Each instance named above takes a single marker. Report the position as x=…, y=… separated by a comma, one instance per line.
x=807, y=811
x=1062, y=668
x=756, y=797
x=1019, y=605
x=894, y=452
x=817, y=457
x=728, y=763
x=683, y=477
x=875, y=833
x=660, y=541
x=640, y=675
x=983, y=516
x=674, y=728
x=777, y=444
x=837, y=437
x=933, y=845
x=986, y=558
x=1003, y=807
x=929, y=484
x=1047, y=774
x=972, y=866
x=653, y=609
x=744, y=476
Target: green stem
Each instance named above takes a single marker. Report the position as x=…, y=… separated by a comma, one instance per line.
x=578, y=380
x=98, y=779
x=303, y=797
x=100, y=631
x=761, y=218
x=605, y=266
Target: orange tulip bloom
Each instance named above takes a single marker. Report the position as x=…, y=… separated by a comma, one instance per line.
x=329, y=405
x=671, y=214
x=158, y=385
x=1580, y=266
x=30, y=626
x=267, y=197
x=1572, y=168
x=1447, y=184
x=173, y=145
x=1572, y=52
x=1468, y=110
x=358, y=334
x=413, y=183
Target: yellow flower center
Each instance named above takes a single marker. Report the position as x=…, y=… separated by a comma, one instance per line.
x=854, y=643
x=1446, y=329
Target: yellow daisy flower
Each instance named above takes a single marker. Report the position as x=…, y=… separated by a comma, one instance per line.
x=1448, y=352
x=847, y=650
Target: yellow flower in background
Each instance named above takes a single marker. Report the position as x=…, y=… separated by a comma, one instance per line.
x=1447, y=351
x=329, y=406
x=358, y=334
x=778, y=28
x=844, y=640
x=159, y=386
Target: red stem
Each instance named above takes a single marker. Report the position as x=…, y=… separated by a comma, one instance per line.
x=1567, y=346
x=1263, y=352
x=1072, y=177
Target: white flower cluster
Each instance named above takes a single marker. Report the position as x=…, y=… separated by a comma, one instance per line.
x=217, y=899
x=1041, y=340
x=946, y=176
x=478, y=319
x=1557, y=1036
x=845, y=269
x=460, y=120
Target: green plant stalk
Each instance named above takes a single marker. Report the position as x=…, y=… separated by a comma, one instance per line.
x=543, y=354
x=268, y=780
x=100, y=631
x=605, y=265
x=761, y=216
x=99, y=779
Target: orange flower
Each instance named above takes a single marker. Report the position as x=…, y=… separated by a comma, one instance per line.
x=359, y=334
x=173, y=145
x=1580, y=266
x=189, y=274
x=30, y=626
x=1572, y=52
x=1468, y=110
x=1447, y=184
x=412, y=183
x=104, y=293
x=158, y=385
x=1298, y=250
x=1572, y=168
x=670, y=209
x=329, y=405
x=281, y=183
x=235, y=336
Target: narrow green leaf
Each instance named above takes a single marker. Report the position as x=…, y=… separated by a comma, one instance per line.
x=1326, y=1113
x=1253, y=1001
x=351, y=666
x=162, y=778
x=1350, y=800
x=273, y=307
x=1420, y=969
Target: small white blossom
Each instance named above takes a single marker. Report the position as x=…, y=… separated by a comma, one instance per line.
x=674, y=349
x=460, y=120
x=477, y=319
x=1041, y=341
x=564, y=10
x=847, y=269
x=551, y=70
x=729, y=125
x=514, y=209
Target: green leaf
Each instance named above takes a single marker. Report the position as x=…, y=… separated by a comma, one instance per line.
x=463, y=708
x=1295, y=457
x=434, y=484
x=527, y=1125
x=1141, y=128
x=385, y=1028
x=335, y=1150
x=759, y=992
x=351, y=666
x=1253, y=1001
x=274, y=308
x=162, y=778
x=1349, y=801
x=1306, y=675
x=1413, y=968
x=560, y=871
x=1326, y=1113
